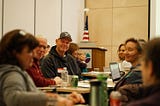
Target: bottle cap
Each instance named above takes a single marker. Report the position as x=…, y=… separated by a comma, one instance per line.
x=65, y=68
x=95, y=82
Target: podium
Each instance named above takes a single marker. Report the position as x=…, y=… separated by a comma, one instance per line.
x=96, y=59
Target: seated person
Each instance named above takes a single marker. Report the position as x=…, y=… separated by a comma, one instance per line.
x=82, y=61
x=35, y=71
x=79, y=56
x=123, y=64
x=59, y=58
x=150, y=65
x=120, y=51
x=133, y=79
x=16, y=86
x=47, y=50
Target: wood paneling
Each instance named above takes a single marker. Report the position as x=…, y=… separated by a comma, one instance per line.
x=100, y=26
x=129, y=3
x=99, y=3
x=111, y=24
x=129, y=22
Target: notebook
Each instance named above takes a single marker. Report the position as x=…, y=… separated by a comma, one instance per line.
x=115, y=71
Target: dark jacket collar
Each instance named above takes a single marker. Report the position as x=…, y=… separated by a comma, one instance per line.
x=150, y=89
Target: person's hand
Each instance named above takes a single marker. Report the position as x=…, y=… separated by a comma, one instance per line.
x=76, y=97
x=69, y=100
x=60, y=101
x=58, y=80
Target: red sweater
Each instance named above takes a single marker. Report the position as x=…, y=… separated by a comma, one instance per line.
x=37, y=76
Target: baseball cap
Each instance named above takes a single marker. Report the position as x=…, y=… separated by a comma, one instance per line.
x=65, y=35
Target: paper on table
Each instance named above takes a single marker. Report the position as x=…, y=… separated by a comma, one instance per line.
x=86, y=83
x=110, y=83
x=82, y=84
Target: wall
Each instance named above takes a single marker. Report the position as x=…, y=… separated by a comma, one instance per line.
x=0, y=19
x=73, y=18
x=111, y=22
x=154, y=18
x=18, y=14
x=48, y=19
x=43, y=17
x=157, y=18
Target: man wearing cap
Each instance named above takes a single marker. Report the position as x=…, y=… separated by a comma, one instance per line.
x=59, y=58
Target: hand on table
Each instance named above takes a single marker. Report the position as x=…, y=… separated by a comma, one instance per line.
x=76, y=97
x=70, y=100
x=58, y=80
x=60, y=101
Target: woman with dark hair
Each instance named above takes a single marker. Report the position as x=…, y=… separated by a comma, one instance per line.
x=78, y=55
x=12, y=44
x=16, y=86
x=120, y=51
x=130, y=83
x=150, y=66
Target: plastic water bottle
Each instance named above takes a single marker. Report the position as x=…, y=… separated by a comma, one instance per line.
x=64, y=75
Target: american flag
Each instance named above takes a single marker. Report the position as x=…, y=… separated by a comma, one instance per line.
x=86, y=33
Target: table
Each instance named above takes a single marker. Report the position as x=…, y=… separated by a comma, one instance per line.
x=71, y=89
x=47, y=89
x=66, y=90
x=94, y=74
x=83, y=88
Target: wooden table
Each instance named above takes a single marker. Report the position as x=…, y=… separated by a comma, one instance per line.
x=94, y=74
x=65, y=89
x=72, y=89
x=84, y=91
x=83, y=87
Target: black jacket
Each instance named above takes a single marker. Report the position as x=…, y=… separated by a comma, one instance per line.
x=129, y=86
x=150, y=97
x=132, y=77
x=53, y=61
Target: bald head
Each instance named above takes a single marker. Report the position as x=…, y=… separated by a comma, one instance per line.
x=42, y=39
x=40, y=51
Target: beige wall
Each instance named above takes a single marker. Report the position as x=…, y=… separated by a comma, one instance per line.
x=43, y=17
x=111, y=22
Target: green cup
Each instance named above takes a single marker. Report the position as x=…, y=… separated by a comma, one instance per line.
x=74, y=81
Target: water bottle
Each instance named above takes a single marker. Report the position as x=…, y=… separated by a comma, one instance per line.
x=64, y=75
x=103, y=91
x=95, y=95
